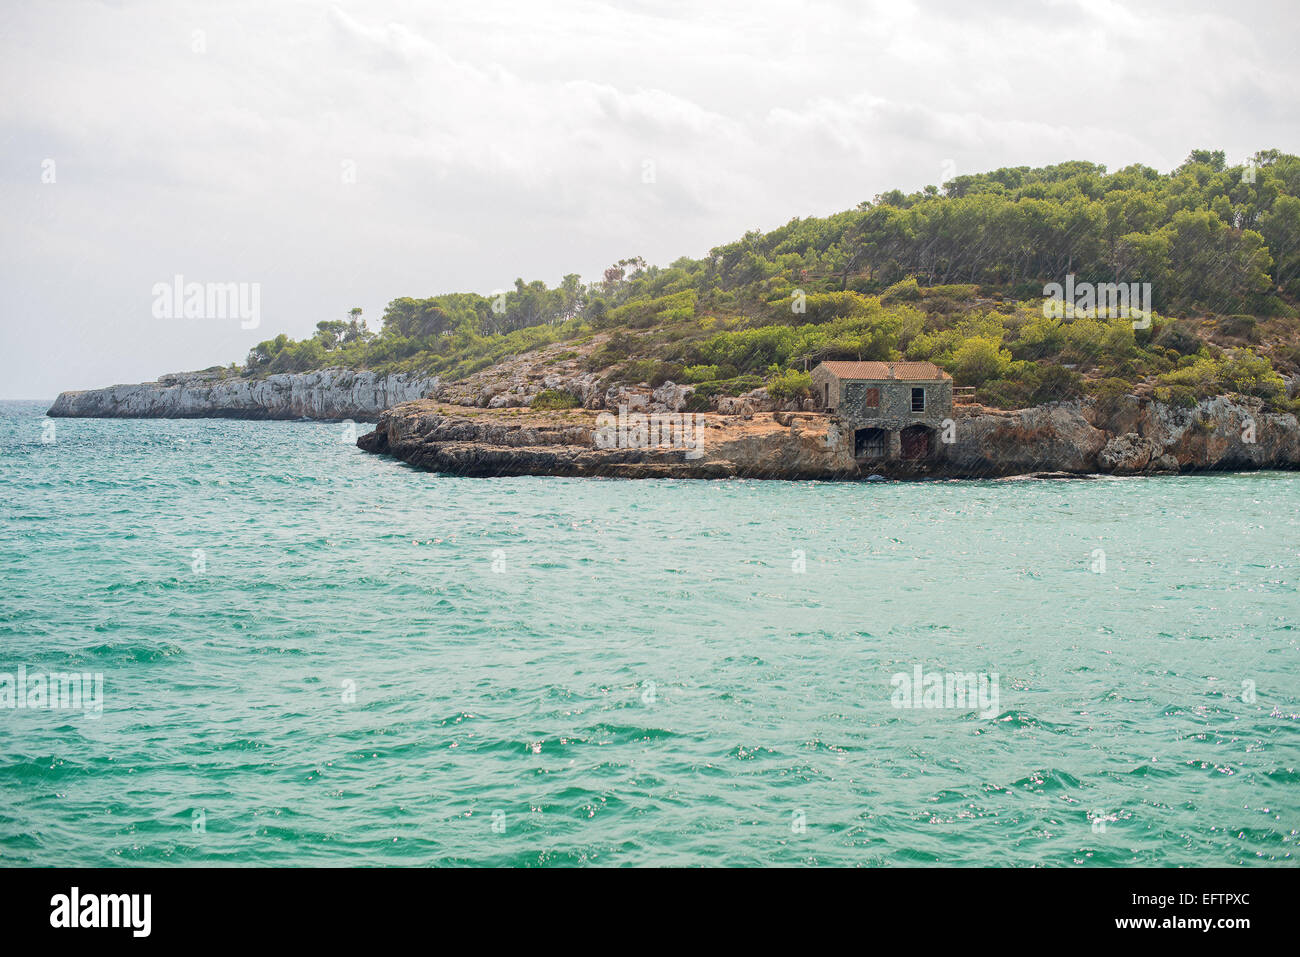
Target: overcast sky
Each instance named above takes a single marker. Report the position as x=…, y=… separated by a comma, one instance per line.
x=345, y=154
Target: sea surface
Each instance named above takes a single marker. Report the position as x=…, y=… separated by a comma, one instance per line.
x=312, y=655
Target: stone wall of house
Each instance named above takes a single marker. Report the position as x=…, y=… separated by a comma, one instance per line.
x=826, y=388
x=895, y=408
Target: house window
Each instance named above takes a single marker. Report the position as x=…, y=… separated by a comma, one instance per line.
x=918, y=399
x=828, y=395
x=872, y=399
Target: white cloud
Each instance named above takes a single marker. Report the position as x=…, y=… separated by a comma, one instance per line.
x=505, y=139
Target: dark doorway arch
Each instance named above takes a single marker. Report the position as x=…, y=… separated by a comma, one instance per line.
x=916, y=442
x=870, y=443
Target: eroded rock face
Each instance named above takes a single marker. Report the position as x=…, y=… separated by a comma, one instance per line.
x=1132, y=436
x=326, y=394
x=742, y=406
x=1060, y=438
x=1226, y=432
x=672, y=397
x=1047, y=438
x=485, y=444
x=1130, y=452
x=633, y=400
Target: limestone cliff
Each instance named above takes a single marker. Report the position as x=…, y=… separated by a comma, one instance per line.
x=325, y=394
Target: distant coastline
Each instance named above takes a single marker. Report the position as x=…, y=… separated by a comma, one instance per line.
x=327, y=395
x=752, y=439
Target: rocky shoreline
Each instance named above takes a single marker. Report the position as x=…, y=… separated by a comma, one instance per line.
x=328, y=394
x=1131, y=436
x=485, y=426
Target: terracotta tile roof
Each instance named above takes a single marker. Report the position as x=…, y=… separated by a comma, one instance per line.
x=920, y=371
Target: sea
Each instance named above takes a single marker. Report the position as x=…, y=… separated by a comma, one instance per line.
x=250, y=643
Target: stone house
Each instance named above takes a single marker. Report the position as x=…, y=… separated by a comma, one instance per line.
x=892, y=411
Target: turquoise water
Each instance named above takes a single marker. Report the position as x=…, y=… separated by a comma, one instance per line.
x=558, y=671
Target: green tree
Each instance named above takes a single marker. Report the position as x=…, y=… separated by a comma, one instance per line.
x=978, y=360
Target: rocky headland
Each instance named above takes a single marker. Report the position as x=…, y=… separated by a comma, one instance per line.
x=327, y=394
x=486, y=424
x=1132, y=436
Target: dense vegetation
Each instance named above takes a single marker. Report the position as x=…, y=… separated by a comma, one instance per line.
x=954, y=275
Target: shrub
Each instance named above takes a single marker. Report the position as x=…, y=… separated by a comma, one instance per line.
x=1180, y=337
x=956, y=291
x=643, y=314
x=1252, y=374
x=940, y=305
x=1110, y=393
x=635, y=372
x=790, y=385
x=905, y=291
x=701, y=373
x=1039, y=338
x=1083, y=341
x=825, y=306
x=555, y=399
x=650, y=371
x=1176, y=395
x=1290, y=356
x=737, y=386
x=751, y=349
x=665, y=372
x=1201, y=376
x=1003, y=394
x=1248, y=374
x=979, y=360
x=1239, y=327
x=1271, y=305
x=1056, y=384
x=618, y=347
